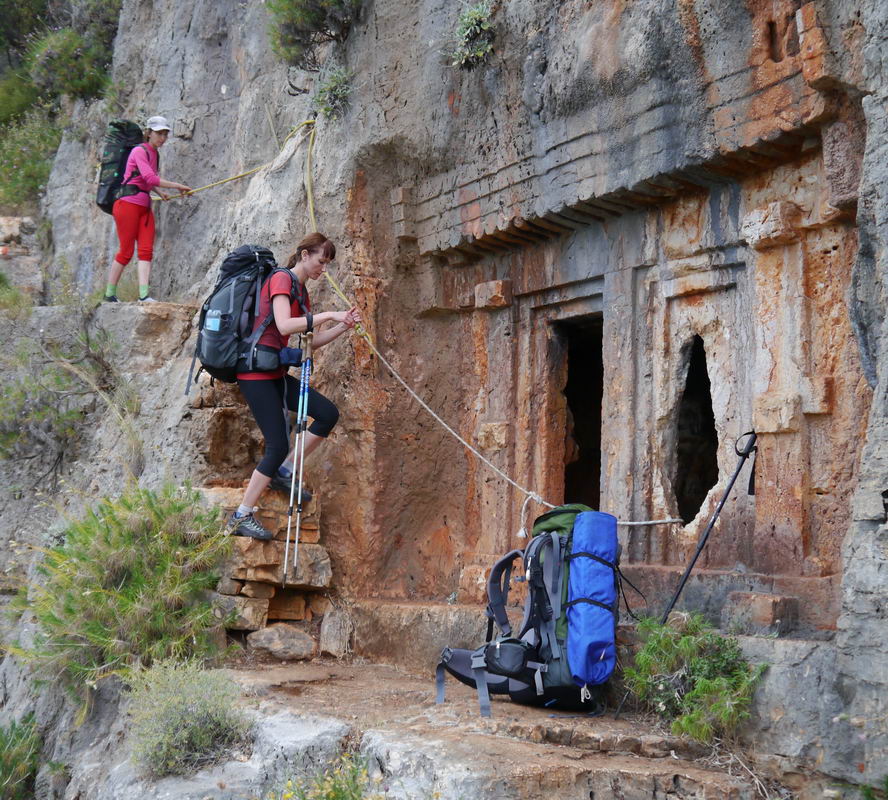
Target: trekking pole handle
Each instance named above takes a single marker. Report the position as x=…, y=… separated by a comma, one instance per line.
x=306, y=345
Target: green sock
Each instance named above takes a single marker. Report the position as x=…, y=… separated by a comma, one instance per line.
x=111, y=290
x=143, y=291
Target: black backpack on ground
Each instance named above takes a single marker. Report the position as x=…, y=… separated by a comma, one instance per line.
x=121, y=137
x=564, y=651
x=226, y=340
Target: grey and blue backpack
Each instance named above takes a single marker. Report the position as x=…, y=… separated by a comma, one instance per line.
x=564, y=650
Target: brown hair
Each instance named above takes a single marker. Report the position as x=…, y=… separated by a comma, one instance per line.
x=313, y=242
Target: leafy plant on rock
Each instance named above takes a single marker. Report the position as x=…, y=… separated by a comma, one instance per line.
x=333, y=92
x=474, y=36
x=19, y=759
x=53, y=383
x=345, y=779
x=62, y=62
x=27, y=147
x=183, y=718
x=691, y=676
x=300, y=28
x=127, y=587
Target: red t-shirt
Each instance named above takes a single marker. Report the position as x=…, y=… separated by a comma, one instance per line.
x=278, y=283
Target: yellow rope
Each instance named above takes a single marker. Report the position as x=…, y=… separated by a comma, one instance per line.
x=308, y=122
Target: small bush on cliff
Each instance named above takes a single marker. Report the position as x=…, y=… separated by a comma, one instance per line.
x=183, y=718
x=127, y=587
x=27, y=147
x=53, y=383
x=17, y=95
x=62, y=62
x=345, y=779
x=299, y=28
x=331, y=98
x=474, y=36
x=19, y=759
x=691, y=676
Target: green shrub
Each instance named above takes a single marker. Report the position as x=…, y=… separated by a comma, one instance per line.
x=474, y=36
x=183, y=718
x=27, y=147
x=64, y=62
x=334, y=89
x=15, y=305
x=345, y=779
x=18, y=21
x=299, y=27
x=690, y=675
x=19, y=759
x=17, y=94
x=127, y=587
x=51, y=384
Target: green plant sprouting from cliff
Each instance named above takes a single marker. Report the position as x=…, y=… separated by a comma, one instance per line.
x=691, y=676
x=345, y=779
x=52, y=48
x=27, y=147
x=331, y=97
x=126, y=588
x=183, y=717
x=19, y=759
x=300, y=28
x=474, y=36
x=53, y=383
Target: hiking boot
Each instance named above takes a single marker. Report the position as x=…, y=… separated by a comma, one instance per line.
x=281, y=484
x=110, y=298
x=248, y=526
x=147, y=299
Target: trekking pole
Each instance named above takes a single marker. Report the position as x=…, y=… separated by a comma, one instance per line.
x=306, y=356
x=301, y=416
x=746, y=452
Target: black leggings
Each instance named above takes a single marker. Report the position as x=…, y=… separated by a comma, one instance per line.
x=266, y=400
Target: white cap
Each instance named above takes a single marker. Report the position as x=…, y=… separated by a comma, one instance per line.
x=158, y=124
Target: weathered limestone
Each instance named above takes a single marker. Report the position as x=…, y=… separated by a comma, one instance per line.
x=337, y=628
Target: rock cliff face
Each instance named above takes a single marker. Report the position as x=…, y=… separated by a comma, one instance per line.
x=638, y=231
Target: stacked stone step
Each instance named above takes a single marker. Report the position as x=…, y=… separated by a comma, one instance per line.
x=253, y=583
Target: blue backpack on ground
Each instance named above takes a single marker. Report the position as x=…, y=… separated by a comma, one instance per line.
x=565, y=650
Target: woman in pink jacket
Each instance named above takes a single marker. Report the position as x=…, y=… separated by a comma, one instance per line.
x=132, y=212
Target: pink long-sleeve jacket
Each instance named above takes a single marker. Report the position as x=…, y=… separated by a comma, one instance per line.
x=143, y=159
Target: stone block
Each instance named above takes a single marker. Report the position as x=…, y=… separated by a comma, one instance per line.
x=777, y=412
x=819, y=67
x=287, y=604
x=493, y=294
x=283, y=641
x=776, y=224
x=759, y=614
x=228, y=585
x=816, y=394
x=319, y=604
x=250, y=613
x=263, y=591
x=336, y=633
x=263, y=562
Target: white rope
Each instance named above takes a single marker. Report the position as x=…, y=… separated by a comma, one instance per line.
x=529, y=494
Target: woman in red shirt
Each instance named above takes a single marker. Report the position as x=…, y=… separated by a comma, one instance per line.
x=132, y=212
x=267, y=392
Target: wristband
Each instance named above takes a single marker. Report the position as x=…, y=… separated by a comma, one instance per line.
x=309, y=319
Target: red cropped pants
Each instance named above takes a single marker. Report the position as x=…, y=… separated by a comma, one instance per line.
x=134, y=223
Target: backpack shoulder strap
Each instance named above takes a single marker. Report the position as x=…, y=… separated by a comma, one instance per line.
x=297, y=290
x=498, y=594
